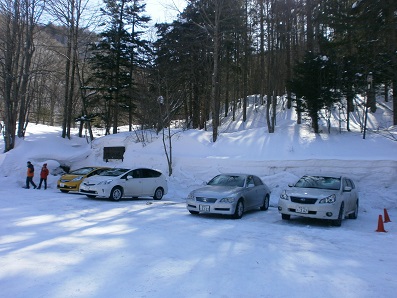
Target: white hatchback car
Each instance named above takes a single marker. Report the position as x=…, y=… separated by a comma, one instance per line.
x=323, y=197
x=118, y=183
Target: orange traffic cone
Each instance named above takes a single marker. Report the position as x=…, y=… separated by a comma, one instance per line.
x=381, y=228
x=387, y=218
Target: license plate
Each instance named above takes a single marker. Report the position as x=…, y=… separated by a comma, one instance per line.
x=301, y=209
x=61, y=184
x=205, y=208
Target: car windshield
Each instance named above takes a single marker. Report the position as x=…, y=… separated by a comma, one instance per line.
x=82, y=171
x=319, y=182
x=114, y=172
x=228, y=180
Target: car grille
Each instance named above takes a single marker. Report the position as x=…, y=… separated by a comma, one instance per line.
x=88, y=191
x=206, y=200
x=303, y=200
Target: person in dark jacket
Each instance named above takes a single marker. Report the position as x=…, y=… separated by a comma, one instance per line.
x=30, y=175
x=43, y=176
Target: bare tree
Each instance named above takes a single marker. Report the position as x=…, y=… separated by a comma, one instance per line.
x=18, y=22
x=70, y=14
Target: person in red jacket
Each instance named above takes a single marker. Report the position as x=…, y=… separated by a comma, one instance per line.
x=43, y=176
x=29, y=176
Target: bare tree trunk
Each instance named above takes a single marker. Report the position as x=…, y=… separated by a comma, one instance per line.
x=17, y=25
x=215, y=74
x=262, y=49
x=28, y=51
x=245, y=62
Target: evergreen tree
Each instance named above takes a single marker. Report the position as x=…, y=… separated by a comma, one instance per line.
x=116, y=54
x=314, y=83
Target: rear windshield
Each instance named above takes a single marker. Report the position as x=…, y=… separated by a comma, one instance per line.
x=114, y=172
x=319, y=182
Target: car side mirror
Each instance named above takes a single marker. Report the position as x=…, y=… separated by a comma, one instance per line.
x=129, y=177
x=347, y=188
x=290, y=184
x=251, y=185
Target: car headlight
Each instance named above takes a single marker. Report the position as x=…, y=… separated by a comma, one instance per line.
x=191, y=196
x=105, y=182
x=284, y=195
x=227, y=200
x=77, y=178
x=328, y=200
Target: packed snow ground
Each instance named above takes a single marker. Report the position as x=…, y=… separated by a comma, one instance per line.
x=67, y=245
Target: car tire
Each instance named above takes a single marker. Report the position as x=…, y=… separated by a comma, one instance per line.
x=116, y=194
x=238, y=213
x=354, y=215
x=64, y=191
x=265, y=205
x=338, y=222
x=91, y=196
x=193, y=212
x=285, y=216
x=158, y=194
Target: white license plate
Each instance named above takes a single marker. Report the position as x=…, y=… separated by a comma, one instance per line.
x=301, y=209
x=61, y=184
x=205, y=208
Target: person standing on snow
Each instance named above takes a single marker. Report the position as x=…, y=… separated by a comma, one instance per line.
x=43, y=176
x=29, y=176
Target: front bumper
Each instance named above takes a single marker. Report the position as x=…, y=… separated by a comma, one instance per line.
x=68, y=186
x=320, y=211
x=210, y=208
x=94, y=191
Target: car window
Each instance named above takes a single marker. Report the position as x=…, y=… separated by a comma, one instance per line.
x=352, y=184
x=136, y=173
x=113, y=172
x=250, y=181
x=319, y=182
x=257, y=181
x=228, y=180
x=148, y=173
x=349, y=183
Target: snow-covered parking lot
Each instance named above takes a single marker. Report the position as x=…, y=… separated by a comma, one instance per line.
x=66, y=245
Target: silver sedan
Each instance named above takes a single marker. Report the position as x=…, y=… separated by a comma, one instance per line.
x=231, y=194
x=323, y=197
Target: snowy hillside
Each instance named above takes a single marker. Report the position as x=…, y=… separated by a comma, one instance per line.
x=67, y=245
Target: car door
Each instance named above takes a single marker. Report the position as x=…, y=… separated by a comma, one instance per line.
x=133, y=183
x=352, y=195
x=250, y=193
x=149, y=182
x=346, y=195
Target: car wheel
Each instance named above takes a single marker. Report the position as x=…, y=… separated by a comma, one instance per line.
x=91, y=196
x=65, y=191
x=354, y=215
x=158, y=194
x=338, y=222
x=265, y=205
x=238, y=213
x=116, y=194
x=285, y=216
x=193, y=212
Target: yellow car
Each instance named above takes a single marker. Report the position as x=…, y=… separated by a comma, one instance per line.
x=71, y=181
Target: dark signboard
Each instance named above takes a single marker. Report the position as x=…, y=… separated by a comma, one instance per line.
x=113, y=153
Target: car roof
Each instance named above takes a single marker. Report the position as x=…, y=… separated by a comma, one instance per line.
x=324, y=175
x=236, y=174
